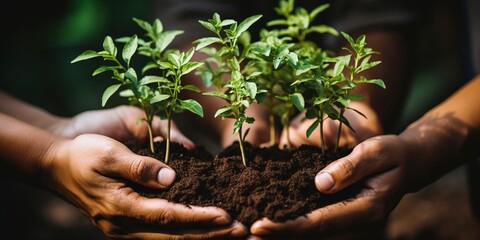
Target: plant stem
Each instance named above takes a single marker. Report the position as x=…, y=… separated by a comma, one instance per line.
x=240, y=142
x=167, y=142
x=322, y=139
x=150, y=136
x=271, y=119
x=338, y=137
x=342, y=111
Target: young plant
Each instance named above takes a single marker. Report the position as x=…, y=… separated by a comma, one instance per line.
x=239, y=91
x=285, y=55
x=331, y=90
x=155, y=94
x=271, y=60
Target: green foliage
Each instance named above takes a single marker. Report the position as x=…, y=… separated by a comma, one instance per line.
x=156, y=93
x=238, y=90
x=284, y=56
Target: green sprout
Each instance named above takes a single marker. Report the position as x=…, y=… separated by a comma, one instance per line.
x=157, y=93
x=239, y=91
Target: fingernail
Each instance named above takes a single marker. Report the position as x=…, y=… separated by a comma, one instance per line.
x=166, y=176
x=221, y=220
x=324, y=182
x=239, y=232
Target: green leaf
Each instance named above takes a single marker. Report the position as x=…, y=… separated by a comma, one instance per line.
x=203, y=42
x=166, y=38
x=166, y=65
x=223, y=111
x=129, y=49
x=355, y=110
x=102, y=69
x=312, y=128
x=143, y=24
x=323, y=29
x=245, y=24
x=304, y=67
x=126, y=93
x=344, y=101
x=192, y=106
x=216, y=94
x=174, y=59
x=277, y=22
x=187, y=68
x=261, y=48
x=348, y=37
x=109, y=46
x=208, y=26
x=378, y=82
x=109, y=92
x=153, y=79
x=191, y=88
x=159, y=97
x=188, y=55
x=132, y=75
x=252, y=89
x=318, y=10
x=149, y=66
x=245, y=134
x=85, y=55
x=227, y=22
x=157, y=27
x=297, y=100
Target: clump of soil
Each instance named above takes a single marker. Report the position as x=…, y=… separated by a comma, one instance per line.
x=277, y=184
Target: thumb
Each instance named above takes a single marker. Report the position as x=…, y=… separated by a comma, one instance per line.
x=366, y=159
x=145, y=171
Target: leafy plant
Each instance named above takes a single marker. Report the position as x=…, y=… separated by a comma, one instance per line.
x=330, y=91
x=238, y=90
x=155, y=94
x=283, y=55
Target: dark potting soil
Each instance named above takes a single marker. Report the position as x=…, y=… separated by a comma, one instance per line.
x=277, y=184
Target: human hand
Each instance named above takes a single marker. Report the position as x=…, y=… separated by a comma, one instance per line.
x=92, y=172
x=119, y=123
x=381, y=163
x=364, y=129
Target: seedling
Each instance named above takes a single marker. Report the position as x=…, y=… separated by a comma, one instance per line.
x=239, y=91
x=156, y=94
x=283, y=55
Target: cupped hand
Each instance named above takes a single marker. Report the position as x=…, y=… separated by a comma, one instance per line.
x=381, y=164
x=92, y=172
x=364, y=129
x=119, y=123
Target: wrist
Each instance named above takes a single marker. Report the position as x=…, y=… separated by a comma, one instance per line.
x=51, y=160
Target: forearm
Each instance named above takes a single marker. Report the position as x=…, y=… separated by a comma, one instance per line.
x=28, y=113
x=24, y=147
x=443, y=138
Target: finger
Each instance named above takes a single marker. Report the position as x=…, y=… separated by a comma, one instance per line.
x=352, y=215
x=367, y=158
x=143, y=170
x=160, y=212
x=160, y=127
x=234, y=230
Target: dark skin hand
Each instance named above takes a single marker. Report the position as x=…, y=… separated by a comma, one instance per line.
x=389, y=167
x=93, y=172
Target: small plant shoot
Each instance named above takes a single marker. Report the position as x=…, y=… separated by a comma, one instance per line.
x=156, y=93
x=239, y=90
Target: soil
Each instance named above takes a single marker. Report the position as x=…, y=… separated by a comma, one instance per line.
x=277, y=184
